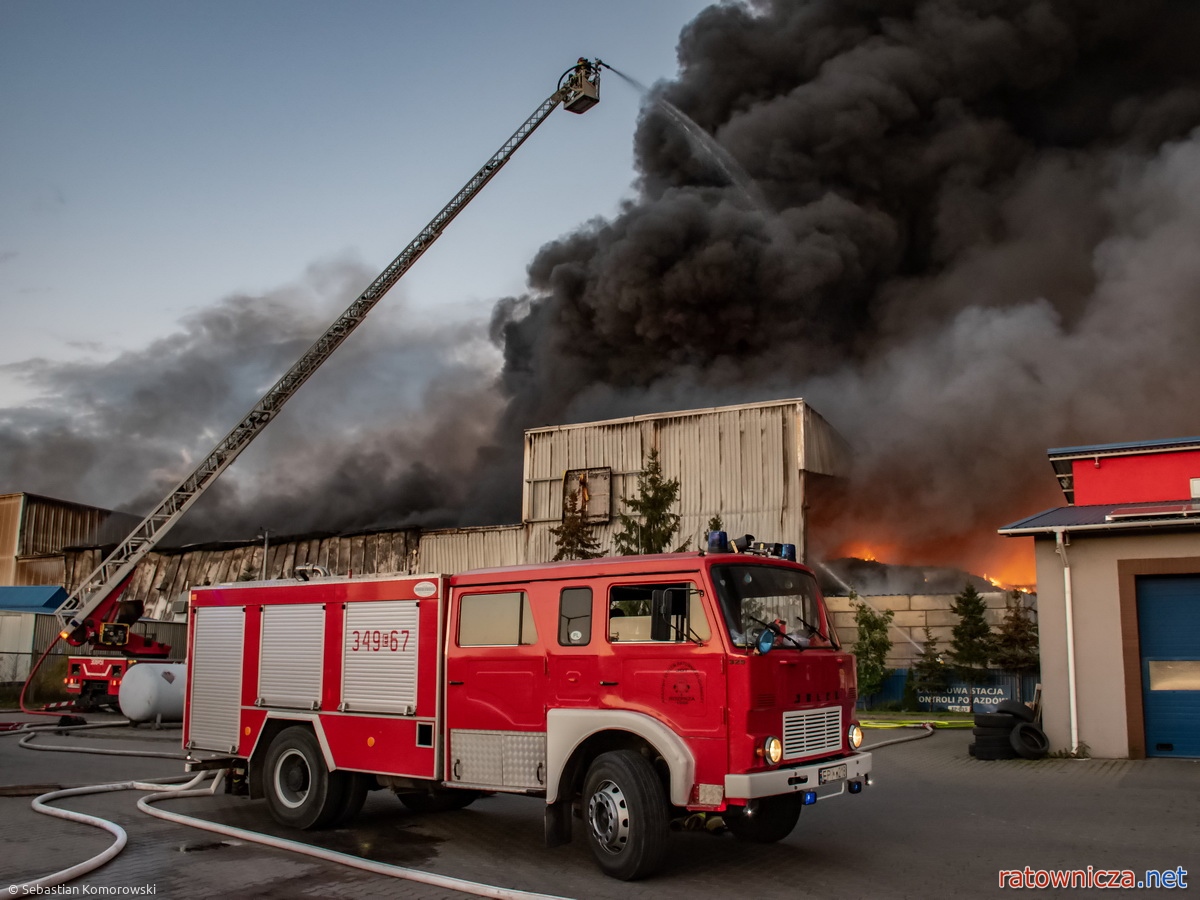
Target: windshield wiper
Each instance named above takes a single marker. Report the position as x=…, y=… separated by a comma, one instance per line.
x=813, y=629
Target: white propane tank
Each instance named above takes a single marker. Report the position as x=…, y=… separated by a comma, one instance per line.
x=153, y=689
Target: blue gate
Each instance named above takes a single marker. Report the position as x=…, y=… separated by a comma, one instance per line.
x=1169, y=633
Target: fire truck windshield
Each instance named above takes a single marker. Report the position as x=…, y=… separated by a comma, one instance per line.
x=752, y=596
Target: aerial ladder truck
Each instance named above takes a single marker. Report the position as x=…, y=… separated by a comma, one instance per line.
x=94, y=612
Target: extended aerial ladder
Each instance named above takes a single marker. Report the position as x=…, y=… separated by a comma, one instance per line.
x=94, y=612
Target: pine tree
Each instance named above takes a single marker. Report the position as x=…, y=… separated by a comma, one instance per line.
x=650, y=525
x=872, y=647
x=930, y=674
x=1016, y=644
x=573, y=539
x=972, y=646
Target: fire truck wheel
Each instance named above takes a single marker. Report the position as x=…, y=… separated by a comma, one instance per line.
x=766, y=820
x=626, y=813
x=300, y=791
x=354, y=796
x=442, y=801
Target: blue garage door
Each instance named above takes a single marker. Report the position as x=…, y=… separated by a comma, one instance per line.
x=1169, y=632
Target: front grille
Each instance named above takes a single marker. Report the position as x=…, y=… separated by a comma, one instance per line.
x=812, y=731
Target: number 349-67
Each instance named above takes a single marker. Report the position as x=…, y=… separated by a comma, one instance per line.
x=377, y=641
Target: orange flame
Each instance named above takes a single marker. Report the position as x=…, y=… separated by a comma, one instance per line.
x=1007, y=562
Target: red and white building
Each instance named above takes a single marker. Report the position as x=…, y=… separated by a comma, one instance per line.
x=1118, y=574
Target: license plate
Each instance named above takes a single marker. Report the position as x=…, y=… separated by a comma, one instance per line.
x=832, y=773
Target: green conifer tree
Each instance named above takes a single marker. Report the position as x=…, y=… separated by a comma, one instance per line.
x=650, y=524
x=972, y=645
x=573, y=539
x=1016, y=643
x=930, y=674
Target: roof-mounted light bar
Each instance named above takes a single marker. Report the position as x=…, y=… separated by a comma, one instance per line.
x=718, y=542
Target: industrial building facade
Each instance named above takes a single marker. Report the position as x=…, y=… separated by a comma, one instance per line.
x=35, y=529
x=755, y=465
x=1118, y=575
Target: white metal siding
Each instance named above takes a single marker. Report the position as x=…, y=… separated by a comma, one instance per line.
x=380, y=657
x=812, y=731
x=290, y=667
x=215, y=679
x=475, y=548
x=743, y=462
x=16, y=643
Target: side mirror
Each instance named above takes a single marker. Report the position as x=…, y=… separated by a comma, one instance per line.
x=669, y=615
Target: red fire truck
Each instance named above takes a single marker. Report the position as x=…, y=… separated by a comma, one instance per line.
x=623, y=691
x=95, y=680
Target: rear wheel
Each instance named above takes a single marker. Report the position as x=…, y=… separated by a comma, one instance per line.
x=301, y=791
x=626, y=813
x=766, y=820
x=353, y=797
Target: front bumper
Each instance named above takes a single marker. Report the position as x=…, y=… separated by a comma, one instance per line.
x=799, y=778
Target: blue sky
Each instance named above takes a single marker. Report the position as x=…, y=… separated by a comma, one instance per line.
x=156, y=158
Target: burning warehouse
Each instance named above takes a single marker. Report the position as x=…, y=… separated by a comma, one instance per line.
x=964, y=246
x=758, y=466
x=966, y=242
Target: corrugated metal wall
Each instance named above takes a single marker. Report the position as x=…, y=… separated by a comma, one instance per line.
x=744, y=463
x=24, y=637
x=460, y=549
x=39, y=571
x=34, y=530
x=49, y=525
x=824, y=450
x=165, y=575
x=10, y=532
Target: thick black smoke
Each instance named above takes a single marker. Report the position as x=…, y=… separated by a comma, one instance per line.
x=976, y=243
x=384, y=435
x=971, y=237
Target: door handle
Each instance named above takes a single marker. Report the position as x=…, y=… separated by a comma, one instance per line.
x=609, y=683
x=457, y=682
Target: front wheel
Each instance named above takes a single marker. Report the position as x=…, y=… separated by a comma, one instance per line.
x=626, y=813
x=301, y=791
x=766, y=820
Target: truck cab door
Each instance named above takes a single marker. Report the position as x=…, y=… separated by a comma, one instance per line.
x=662, y=658
x=495, y=691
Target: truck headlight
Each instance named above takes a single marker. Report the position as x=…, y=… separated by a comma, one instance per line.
x=855, y=734
x=772, y=750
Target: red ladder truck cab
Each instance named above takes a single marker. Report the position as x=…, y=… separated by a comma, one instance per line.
x=623, y=691
x=95, y=680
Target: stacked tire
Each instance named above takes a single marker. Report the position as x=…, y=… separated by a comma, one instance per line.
x=1008, y=733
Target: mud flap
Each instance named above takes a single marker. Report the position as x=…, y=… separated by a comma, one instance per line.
x=558, y=823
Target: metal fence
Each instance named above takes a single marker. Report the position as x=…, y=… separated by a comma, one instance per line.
x=15, y=665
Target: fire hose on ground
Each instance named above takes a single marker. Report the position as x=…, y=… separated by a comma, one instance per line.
x=186, y=787
x=189, y=788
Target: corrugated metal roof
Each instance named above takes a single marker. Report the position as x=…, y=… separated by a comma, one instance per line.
x=1096, y=518
x=41, y=599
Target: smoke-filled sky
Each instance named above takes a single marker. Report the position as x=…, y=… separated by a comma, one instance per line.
x=968, y=236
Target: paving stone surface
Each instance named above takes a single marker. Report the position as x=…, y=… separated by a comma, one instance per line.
x=935, y=824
